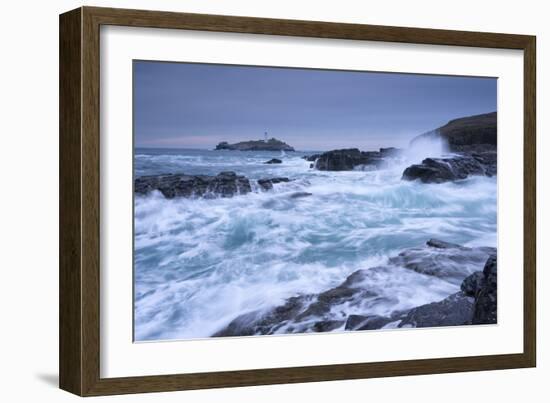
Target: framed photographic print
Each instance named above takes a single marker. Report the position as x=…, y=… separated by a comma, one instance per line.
x=249, y=201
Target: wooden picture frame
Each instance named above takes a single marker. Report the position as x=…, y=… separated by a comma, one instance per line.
x=79, y=348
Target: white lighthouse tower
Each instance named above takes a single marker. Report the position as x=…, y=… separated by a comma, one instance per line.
x=265, y=137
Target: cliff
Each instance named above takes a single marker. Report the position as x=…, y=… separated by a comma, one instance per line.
x=467, y=132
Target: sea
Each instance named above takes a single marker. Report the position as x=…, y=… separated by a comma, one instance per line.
x=200, y=263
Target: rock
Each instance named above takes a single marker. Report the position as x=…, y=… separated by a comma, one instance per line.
x=472, y=284
x=439, y=170
x=274, y=161
x=297, y=195
x=466, y=132
x=368, y=322
x=390, y=152
x=354, y=321
x=327, y=325
x=454, y=310
x=267, y=183
x=485, y=307
x=443, y=260
x=256, y=145
x=347, y=160
x=263, y=322
x=436, y=243
x=225, y=184
x=311, y=158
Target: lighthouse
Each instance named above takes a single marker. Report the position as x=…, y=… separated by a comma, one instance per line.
x=265, y=137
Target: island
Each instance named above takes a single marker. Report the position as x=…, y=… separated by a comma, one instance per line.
x=256, y=145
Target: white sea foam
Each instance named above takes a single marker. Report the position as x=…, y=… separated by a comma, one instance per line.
x=200, y=263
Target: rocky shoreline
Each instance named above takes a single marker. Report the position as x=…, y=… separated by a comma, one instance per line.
x=472, y=141
x=339, y=308
x=225, y=184
x=470, y=272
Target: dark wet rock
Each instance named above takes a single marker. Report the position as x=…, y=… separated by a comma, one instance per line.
x=463, y=133
x=345, y=292
x=472, y=284
x=274, y=161
x=454, y=310
x=485, y=308
x=298, y=195
x=439, y=170
x=225, y=184
x=311, y=158
x=444, y=260
x=264, y=322
x=390, y=152
x=267, y=183
x=437, y=243
x=256, y=145
x=348, y=159
x=327, y=325
x=354, y=321
x=366, y=322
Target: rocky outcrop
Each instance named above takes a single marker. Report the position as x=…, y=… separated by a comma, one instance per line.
x=439, y=170
x=351, y=158
x=267, y=183
x=482, y=286
x=274, y=161
x=465, y=132
x=225, y=184
x=256, y=145
x=311, y=158
x=455, y=310
x=347, y=306
x=444, y=260
x=473, y=139
x=474, y=304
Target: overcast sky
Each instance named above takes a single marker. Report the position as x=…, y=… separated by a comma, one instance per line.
x=187, y=105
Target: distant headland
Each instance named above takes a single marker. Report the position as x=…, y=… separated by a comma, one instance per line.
x=256, y=145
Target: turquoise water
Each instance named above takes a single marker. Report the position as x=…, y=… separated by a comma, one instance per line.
x=199, y=263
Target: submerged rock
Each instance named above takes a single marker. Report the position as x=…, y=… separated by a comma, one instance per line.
x=297, y=195
x=225, y=184
x=439, y=170
x=274, y=161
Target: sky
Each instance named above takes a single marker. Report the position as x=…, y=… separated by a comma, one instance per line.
x=187, y=105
